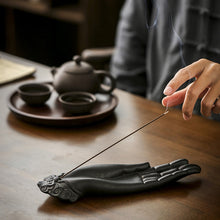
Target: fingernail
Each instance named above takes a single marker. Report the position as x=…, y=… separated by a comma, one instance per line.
x=163, y=102
x=186, y=117
x=168, y=90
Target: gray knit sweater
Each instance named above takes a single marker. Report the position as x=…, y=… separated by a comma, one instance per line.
x=156, y=38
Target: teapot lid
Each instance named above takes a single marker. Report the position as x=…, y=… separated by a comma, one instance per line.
x=77, y=66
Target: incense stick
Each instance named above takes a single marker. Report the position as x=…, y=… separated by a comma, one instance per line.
x=158, y=117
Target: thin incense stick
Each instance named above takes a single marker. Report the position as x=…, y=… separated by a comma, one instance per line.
x=158, y=117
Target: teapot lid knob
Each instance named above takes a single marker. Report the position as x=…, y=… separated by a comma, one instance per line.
x=77, y=59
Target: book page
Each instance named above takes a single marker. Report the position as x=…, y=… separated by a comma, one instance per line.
x=10, y=71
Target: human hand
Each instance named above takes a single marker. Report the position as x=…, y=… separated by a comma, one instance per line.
x=115, y=179
x=206, y=86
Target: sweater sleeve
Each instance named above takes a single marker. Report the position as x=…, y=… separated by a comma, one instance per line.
x=128, y=64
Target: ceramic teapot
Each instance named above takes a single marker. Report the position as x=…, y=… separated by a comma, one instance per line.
x=80, y=76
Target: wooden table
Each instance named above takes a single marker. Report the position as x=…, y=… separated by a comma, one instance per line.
x=29, y=153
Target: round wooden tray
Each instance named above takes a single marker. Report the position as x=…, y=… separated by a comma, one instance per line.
x=52, y=114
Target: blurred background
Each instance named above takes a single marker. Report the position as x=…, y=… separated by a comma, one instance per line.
x=52, y=31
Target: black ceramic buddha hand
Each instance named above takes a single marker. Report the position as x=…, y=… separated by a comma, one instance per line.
x=115, y=179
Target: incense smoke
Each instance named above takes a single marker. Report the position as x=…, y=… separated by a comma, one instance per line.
x=151, y=22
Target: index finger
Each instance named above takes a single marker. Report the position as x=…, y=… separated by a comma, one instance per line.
x=184, y=74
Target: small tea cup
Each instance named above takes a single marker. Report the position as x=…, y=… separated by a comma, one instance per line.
x=35, y=93
x=77, y=102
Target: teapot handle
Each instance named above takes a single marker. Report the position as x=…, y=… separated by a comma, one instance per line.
x=102, y=75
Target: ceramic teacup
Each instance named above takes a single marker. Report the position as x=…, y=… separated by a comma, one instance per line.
x=35, y=93
x=77, y=102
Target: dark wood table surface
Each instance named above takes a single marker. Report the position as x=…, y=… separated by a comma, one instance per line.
x=30, y=152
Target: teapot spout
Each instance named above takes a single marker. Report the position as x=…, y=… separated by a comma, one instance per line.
x=53, y=70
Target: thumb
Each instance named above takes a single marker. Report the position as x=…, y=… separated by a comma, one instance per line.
x=176, y=98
